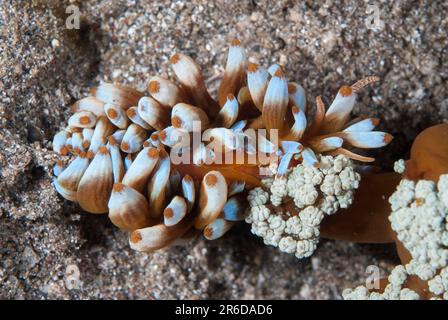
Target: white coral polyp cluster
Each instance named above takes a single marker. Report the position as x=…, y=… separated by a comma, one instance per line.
x=399, y=166
x=393, y=291
x=420, y=219
x=313, y=192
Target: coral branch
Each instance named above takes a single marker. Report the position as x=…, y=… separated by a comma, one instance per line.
x=366, y=220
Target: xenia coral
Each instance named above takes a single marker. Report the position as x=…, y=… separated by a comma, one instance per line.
x=288, y=210
x=420, y=219
x=124, y=144
x=418, y=222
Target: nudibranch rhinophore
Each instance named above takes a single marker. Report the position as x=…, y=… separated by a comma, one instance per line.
x=175, y=162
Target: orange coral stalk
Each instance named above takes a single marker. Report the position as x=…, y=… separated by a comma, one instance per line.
x=429, y=154
x=366, y=220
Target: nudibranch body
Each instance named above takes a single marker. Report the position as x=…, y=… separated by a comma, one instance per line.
x=173, y=163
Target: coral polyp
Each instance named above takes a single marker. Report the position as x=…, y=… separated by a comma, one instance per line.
x=288, y=211
x=137, y=157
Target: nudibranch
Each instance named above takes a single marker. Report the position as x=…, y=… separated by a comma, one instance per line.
x=174, y=162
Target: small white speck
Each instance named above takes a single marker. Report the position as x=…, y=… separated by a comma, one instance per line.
x=55, y=43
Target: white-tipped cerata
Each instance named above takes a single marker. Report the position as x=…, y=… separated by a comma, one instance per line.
x=159, y=236
x=246, y=103
x=234, y=74
x=68, y=143
x=90, y=104
x=158, y=186
x=228, y=113
x=153, y=113
x=133, y=138
x=293, y=147
x=188, y=191
x=239, y=125
x=82, y=119
x=128, y=161
x=276, y=102
x=116, y=115
x=367, y=140
x=189, y=75
x=257, y=82
x=234, y=209
x=309, y=158
x=102, y=131
x=185, y=116
x=122, y=96
x=72, y=130
x=297, y=95
x=326, y=144
x=141, y=168
x=117, y=160
x=212, y=198
x=202, y=154
x=274, y=68
x=222, y=139
x=135, y=117
x=217, y=229
x=58, y=168
x=175, y=211
x=96, y=184
x=68, y=180
x=153, y=140
x=128, y=208
x=77, y=145
x=284, y=164
x=174, y=137
x=60, y=142
x=363, y=125
x=236, y=187
x=87, y=135
x=118, y=135
x=339, y=111
x=257, y=141
x=299, y=126
x=165, y=92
